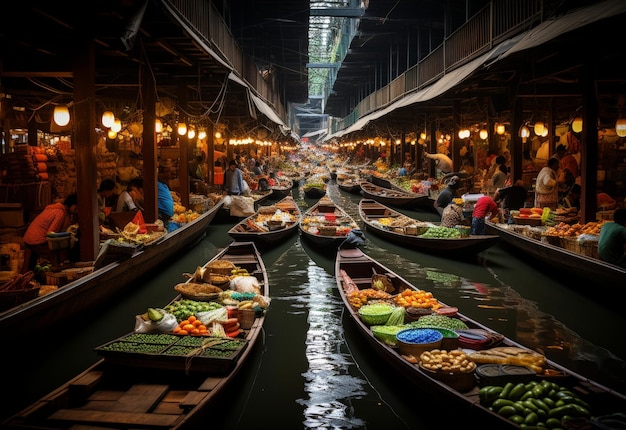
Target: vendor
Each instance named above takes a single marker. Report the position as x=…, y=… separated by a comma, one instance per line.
x=54, y=218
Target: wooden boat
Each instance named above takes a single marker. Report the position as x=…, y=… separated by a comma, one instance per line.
x=351, y=186
x=391, y=197
x=408, y=232
x=314, y=191
x=563, y=260
x=270, y=224
x=103, y=283
x=354, y=270
x=161, y=390
x=325, y=224
x=282, y=188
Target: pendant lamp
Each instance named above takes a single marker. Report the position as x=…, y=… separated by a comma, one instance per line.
x=620, y=127
x=108, y=118
x=61, y=115
x=577, y=125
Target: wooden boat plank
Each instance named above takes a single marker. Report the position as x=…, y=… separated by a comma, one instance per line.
x=140, y=398
x=117, y=418
x=209, y=384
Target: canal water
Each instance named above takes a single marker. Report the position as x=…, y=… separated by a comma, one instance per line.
x=312, y=370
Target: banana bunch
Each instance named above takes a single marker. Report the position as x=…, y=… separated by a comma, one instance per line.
x=378, y=285
x=239, y=272
x=246, y=304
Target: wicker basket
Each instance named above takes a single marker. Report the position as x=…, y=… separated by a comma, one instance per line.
x=77, y=273
x=588, y=248
x=56, y=278
x=9, y=299
x=552, y=240
x=571, y=244
x=222, y=267
x=379, y=318
x=246, y=318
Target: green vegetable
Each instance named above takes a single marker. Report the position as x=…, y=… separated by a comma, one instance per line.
x=397, y=316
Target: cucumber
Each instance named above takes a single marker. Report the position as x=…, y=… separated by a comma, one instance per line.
x=506, y=390
x=507, y=411
x=517, y=392
x=498, y=403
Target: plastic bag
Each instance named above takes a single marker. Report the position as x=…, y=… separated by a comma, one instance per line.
x=242, y=206
x=165, y=325
x=208, y=317
x=354, y=239
x=245, y=284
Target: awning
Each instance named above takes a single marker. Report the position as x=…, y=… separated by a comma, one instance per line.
x=260, y=104
x=535, y=37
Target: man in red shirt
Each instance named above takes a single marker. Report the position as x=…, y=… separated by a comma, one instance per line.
x=485, y=206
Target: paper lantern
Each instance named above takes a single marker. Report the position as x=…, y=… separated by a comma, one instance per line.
x=539, y=127
x=182, y=128
x=620, y=127
x=108, y=118
x=158, y=125
x=483, y=134
x=61, y=115
x=577, y=125
x=117, y=125
x=500, y=129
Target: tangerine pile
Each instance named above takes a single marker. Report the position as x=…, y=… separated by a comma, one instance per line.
x=417, y=299
x=192, y=326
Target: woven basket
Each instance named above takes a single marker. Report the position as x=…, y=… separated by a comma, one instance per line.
x=56, y=278
x=552, y=240
x=588, y=248
x=246, y=318
x=222, y=267
x=570, y=243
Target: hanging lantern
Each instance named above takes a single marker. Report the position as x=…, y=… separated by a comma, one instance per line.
x=158, y=125
x=112, y=134
x=182, y=128
x=61, y=115
x=500, y=129
x=117, y=125
x=108, y=118
x=539, y=127
x=202, y=134
x=620, y=127
x=483, y=134
x=577, y=125
x=191, y=133
x=524, y=132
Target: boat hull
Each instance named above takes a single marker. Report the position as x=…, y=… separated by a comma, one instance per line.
x=104, y=283
x=150, y=393
x=371, y=210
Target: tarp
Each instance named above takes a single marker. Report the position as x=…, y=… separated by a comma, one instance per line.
x=543, y=33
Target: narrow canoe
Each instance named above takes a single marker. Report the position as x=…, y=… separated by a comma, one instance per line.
x=599, y=272
x=326, y=225
x=157, y=390
x=270, y=225
x=104, y=283
x=350, y=186
x=353, y=271
x=371, y=212
x=392, y=197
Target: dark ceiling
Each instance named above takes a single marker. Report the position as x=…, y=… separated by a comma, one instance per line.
x=37, y=51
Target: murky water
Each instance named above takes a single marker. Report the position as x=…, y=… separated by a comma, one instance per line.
x=312, y=370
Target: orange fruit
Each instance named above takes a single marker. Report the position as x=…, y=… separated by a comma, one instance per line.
x=188, y=327
x=192, y=318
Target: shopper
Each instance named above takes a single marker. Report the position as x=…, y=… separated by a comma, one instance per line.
x=233, y=180
x=106, y=198
x=131, y=200
x=511, y=198
x=165, y=202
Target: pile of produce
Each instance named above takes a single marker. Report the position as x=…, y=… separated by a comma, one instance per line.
x=542, y=404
